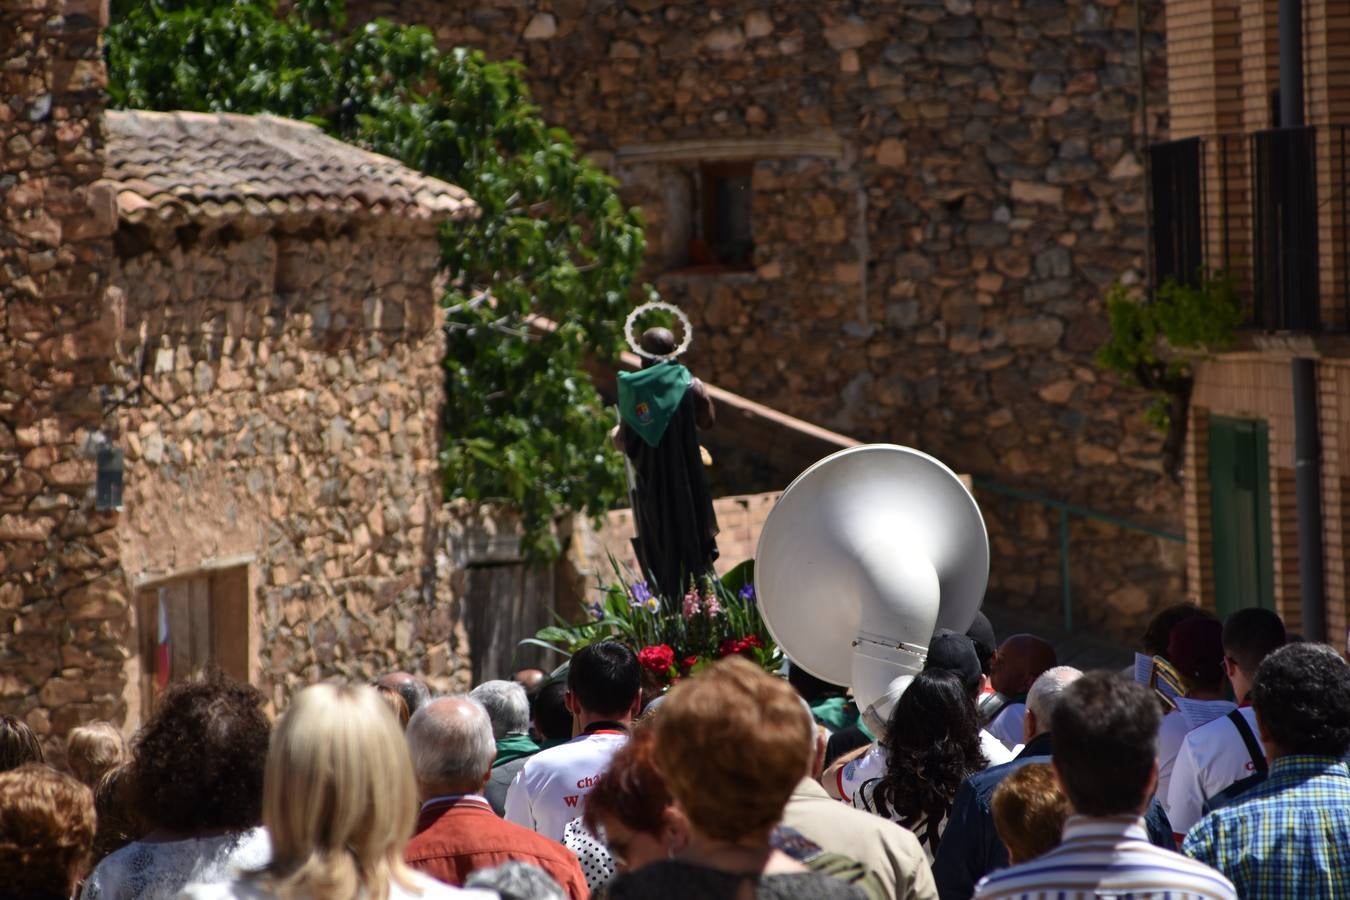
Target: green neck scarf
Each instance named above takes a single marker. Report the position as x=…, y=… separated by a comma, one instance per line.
x=648, y=398
x=514, y=746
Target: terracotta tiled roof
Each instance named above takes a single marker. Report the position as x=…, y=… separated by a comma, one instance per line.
x=177, y=168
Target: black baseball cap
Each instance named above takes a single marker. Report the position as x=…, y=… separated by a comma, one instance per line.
x=956, y=654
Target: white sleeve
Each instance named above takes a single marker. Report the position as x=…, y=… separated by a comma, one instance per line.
x=1007, y=725
x=517, y=807
x=1170, y=736
x=852, y=776
x=1185, y=795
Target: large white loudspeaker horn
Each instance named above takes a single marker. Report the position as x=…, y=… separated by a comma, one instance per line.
x=865, y=554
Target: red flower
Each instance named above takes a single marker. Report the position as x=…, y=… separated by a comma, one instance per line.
x=657, y=659
x=689, y=663
x=742, y=646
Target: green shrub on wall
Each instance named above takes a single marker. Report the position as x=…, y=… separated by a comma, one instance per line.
x=1154, y=341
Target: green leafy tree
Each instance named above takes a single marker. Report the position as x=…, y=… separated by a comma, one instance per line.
x=524, y=424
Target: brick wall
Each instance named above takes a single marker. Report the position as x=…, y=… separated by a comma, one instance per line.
x=62, y=599
x=1204, y=50
x=1258, y=386
x=1334, y=397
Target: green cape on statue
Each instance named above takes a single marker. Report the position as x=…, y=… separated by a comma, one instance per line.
x=648, y=398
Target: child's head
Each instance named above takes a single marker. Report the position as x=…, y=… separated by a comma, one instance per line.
x=1029, y=811
x=93, y=750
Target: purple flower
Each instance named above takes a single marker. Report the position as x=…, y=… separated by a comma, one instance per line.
x=747, y=593
x=596, y=609
x=639, y=594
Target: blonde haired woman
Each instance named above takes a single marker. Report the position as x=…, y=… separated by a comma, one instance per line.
x=339, y=802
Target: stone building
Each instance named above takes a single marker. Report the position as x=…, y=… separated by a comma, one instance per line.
x=896, y=219
x=238, y=314
x=1241, y=185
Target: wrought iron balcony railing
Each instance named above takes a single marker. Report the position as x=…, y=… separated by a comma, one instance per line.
x=1272, y=209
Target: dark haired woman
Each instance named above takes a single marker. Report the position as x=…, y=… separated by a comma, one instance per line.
x=196, y=784
x=18, y=745
x=932, y=743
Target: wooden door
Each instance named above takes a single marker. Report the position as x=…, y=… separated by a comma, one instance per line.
x=1239, y=478
x=204, y=617
x=506, y=602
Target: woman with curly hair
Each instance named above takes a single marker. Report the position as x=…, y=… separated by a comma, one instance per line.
x=339, y=803
x=932, y=743
x=46, y=827
x=196, y=782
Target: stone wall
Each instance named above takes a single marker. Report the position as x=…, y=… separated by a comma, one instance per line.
x=942, y=192
x=283, y=398
x=62, y=600
x=740, y=520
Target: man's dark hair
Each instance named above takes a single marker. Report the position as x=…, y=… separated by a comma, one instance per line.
x=1250, y=635
x=981, y=632
x=1104, y=740
x=18, y=744
x=197, y=765
x=1302, y=697
x=551, y=718
x=812, y=689
x=605, y=677
x=412, y=689
x=1160, y=626
x=658, y=340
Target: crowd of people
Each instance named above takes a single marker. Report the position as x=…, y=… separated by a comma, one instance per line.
x=996, y=773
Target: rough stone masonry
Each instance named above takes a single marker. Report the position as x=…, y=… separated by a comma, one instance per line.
x=246, y=309
x=63, y=604
x=943, y=190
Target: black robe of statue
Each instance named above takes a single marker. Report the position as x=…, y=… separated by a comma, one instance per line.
x=677, y=529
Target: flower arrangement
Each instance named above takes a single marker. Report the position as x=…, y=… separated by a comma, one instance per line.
x=673, y=637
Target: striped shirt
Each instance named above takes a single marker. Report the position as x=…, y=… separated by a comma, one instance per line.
x=1106, y=857
x=1287, y=837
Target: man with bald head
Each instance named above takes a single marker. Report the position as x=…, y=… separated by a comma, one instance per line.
x=1017, y=663
x=531, y=680
x=452, y=749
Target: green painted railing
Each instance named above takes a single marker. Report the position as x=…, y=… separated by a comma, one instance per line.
x=1066, y=511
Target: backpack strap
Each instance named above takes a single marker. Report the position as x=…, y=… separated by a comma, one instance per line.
x=990, y=705
x=1254, y=750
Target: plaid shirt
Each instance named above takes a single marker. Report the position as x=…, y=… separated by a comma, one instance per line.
x=1287, y=837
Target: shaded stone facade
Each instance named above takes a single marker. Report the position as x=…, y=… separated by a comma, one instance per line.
x=940, y=193
x=275, y=420
x=245, y=309
x=63, y=600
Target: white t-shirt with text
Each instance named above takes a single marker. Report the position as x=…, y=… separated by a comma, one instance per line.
x=1211, y=758
x=550, y=789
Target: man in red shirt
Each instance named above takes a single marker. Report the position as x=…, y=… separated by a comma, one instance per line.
x=457, y=832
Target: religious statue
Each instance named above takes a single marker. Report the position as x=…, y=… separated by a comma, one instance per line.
x=661, y=408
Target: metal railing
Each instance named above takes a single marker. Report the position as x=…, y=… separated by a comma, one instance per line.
x=1271, y=209
x=1284, y=230
x=1065, y=511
